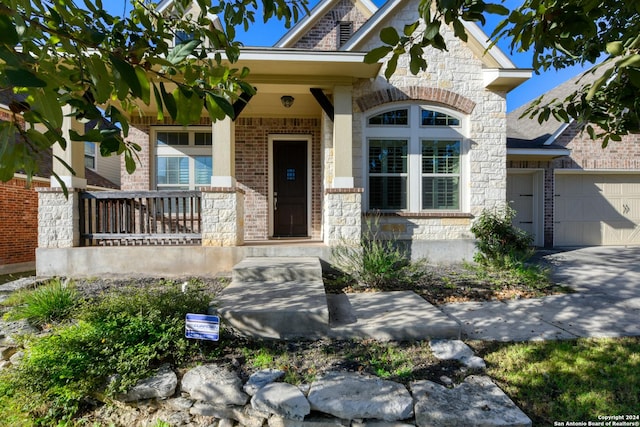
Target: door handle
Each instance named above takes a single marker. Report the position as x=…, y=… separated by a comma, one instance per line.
x=275, y=200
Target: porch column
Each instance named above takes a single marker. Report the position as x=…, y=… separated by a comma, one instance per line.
x=342, y=137
x=73, y=155
x=224, y=153
x=58, y=218
x=222, y=216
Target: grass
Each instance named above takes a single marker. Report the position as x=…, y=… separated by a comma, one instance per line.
x=53, y=302
x=575, y=380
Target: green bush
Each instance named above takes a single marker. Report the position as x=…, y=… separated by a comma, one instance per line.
x=51, y=302
x=116, y=340
x=500, y=244
x=377, y=262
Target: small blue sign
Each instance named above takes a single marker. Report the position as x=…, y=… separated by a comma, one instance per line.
x=202, y=327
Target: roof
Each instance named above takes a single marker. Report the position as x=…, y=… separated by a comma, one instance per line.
x=528, y=131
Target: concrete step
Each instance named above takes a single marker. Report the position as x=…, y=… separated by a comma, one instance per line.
x=284, y=298
x=277, y=269
x=281, y=298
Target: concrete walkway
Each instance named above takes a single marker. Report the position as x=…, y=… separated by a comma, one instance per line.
x=606, y=302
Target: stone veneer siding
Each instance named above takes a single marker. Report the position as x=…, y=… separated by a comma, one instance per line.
x=19, y=220
x=324, y=34
x=586, y=154
x=343, y=216
x=453, y=79
x=222, y=217
x=58, y=218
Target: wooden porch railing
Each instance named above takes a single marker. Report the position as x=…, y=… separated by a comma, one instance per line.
x=140, y=218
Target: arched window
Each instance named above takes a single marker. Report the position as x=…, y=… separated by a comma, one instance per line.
x=414, y=157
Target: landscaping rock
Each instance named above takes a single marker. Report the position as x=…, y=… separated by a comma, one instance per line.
x=180, y=404
x=456, y=350
x=284, y=400
x=213, y=384
x=260, y=379
x=162, y=385
x=475, y=402
x=350, y=395
x=18, y=327
x=16, y=358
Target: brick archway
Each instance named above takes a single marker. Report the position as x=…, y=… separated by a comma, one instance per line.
x=416, y=93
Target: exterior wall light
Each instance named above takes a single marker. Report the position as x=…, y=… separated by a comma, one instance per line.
x=287, y=101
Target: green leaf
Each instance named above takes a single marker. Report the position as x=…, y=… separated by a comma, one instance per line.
x=129, y=162
x=390, y=36
x=98, y=72
x=433, y=29
x=158, y=99
x=634, y=76
x=630, y=61
x=221, y=107
x=417, y=62
x=181, y=51
x=391, y=66
x=377, y=54
x=47, y=105
x=598, y=84
x=189, y=106
x=145, y=87
x=169, y=102
x=411, y=28
x=459, y=30
x=615, y=48
x=496, y=9
x=8, y=33
x=23, y=78
x=128, y=75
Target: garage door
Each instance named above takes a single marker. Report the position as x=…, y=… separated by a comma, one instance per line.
x=597, y=209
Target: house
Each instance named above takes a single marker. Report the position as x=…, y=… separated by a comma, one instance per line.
x=325, y=146
x=567, y=189
x=19, y=202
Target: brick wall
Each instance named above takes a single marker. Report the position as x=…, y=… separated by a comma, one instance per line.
x=324, y=35
x=252, y=169
x=18, y=221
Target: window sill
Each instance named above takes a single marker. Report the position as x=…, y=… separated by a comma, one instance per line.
x=421, y=214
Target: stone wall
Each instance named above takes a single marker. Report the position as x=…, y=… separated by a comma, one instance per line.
x=58, y=218
x=343, y=216
x=453, y=79
x=222, y=217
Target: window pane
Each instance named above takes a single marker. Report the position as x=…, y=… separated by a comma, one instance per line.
x=390, y=118
x=434, y=118
x=173, y=170
x=440, y=193
x=203, y=170
x=90, y=155
x=202, y=138
x=441, y=157
x=387, y=192
x=173, y=138
x=387, y=156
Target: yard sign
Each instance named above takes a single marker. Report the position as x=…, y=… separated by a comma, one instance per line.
x=202, y=327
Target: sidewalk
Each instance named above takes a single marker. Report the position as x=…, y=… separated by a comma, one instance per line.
x=606, y=302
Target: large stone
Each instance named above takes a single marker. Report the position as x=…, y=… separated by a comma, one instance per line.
x=162, y=385
x=284, y=400
x=260, y=379
x=351, y=396
x=475, y=402
x=211, y=383
x=456, y=350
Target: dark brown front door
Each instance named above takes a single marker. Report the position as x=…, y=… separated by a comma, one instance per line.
x=290, y=189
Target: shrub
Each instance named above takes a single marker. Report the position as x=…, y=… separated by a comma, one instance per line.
x=51, y=302
x=376, y=262
x=116, y=340
x=499, y=243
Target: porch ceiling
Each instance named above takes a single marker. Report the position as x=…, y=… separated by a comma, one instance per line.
x=279, y=72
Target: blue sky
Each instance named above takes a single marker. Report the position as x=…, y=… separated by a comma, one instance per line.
x=261, y=34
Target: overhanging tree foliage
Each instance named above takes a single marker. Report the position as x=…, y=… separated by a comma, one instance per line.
x=59, y=58
x=560, y=34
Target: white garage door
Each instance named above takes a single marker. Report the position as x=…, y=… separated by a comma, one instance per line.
x=597, y=209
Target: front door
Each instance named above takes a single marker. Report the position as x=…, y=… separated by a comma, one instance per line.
x=290, y=189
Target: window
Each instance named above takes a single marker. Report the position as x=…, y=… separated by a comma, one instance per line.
x=90, y=155
x=183, y=158
x=414, y=160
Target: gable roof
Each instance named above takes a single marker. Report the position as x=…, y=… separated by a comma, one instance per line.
x=318, y=12
x=528, y=131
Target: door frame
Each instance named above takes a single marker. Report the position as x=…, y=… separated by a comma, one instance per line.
x=288, y=138
x=537, y=176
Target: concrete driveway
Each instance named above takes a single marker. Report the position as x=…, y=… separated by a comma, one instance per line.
x=606, y=302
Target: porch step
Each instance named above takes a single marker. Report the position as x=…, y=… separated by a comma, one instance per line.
x=281, y=298
x=284, y=298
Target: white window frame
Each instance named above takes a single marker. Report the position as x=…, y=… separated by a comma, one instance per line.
x=415, y=133
x=91, y=155
x=191, y=151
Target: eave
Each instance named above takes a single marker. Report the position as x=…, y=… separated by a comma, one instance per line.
x=544, y=154
x=505, y=79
